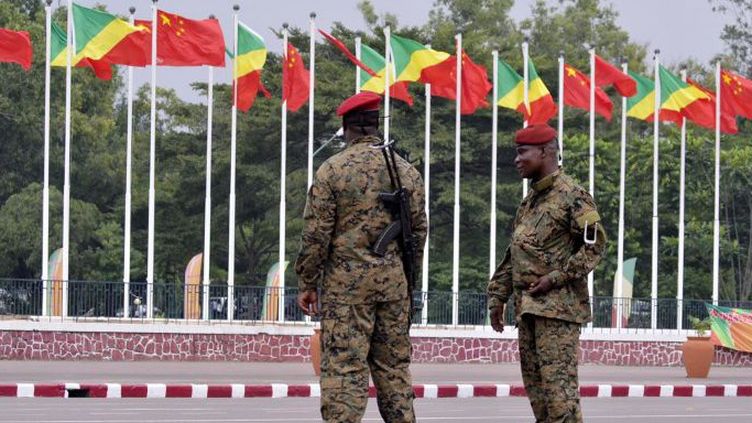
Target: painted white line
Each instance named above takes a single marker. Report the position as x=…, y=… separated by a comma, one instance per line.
x=279, y=390
x=699, y=390
x=238, y=390
x=604, y=391
x=315, y=390
x=503, y=390
x=25, y=390
x=464, y=390
x=156, y=390
x=114, y=390
x=199, y=391
x=729, y=390
x=430, y=391
x=636, y=390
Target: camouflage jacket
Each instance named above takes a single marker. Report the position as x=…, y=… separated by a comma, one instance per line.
x=344, y=216
x=547, y=239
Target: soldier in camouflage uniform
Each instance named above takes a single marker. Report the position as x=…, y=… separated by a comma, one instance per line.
x=364, y=302
x=545, y=267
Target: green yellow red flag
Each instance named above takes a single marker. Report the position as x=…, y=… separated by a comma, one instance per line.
x=732, y=327
x=411, y=57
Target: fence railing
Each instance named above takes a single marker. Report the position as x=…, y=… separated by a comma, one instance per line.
x=80, y=300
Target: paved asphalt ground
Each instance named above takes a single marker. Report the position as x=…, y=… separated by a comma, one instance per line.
x=507, y=409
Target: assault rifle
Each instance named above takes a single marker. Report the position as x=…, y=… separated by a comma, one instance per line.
x=401, y=228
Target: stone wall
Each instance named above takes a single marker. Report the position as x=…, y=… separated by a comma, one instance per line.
x=115, y=346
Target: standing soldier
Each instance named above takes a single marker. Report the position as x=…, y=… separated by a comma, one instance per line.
x=365, y=307
x=557, y=240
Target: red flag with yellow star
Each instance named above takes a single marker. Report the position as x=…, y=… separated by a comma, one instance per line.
x=186, y=42
x=577, y=93
x=736, y=95
x=443, y=80
x=295, y=84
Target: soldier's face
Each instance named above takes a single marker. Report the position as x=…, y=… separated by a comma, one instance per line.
x=529, y=160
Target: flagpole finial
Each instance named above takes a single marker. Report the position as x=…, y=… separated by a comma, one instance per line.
x=285, y=26
x=236, y=7
x=49, y=2
x=154, y=1
x=131, y=9
x=561, y=53
x=313, y=15
x=527, y=38
x=212, y=16
x=657, y=51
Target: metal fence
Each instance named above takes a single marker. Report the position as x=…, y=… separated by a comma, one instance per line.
x=176, y=301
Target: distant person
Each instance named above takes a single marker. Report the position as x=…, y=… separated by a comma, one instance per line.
x=557, y=239
x=365, y=306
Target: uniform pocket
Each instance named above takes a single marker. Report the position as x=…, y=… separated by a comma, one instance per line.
x=335, y=327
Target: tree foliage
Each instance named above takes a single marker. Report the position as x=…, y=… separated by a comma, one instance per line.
x=98, y=171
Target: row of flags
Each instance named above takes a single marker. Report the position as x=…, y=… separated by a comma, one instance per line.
x=103, y=40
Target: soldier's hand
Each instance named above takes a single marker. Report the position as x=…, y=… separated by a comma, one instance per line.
x=308, y=301
x=497, y=319
x=541, y=286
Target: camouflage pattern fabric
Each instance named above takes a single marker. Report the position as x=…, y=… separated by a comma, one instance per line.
x=356, y=338
x=344, y=216
x=548, y=239
x=548, y=358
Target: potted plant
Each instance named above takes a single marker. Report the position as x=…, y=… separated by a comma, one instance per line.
x=698, y=351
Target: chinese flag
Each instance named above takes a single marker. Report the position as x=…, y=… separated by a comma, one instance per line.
x=736, y=95
x=15, y=47
x=185, y=42
x=577, y=93
x=295, y=85
x=702, y=112
x=475, y=85
x=608, y=74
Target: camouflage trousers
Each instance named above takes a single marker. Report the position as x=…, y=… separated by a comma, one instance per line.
x=548, y=358
x=358, y=338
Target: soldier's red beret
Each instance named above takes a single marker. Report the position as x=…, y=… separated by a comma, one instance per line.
x=362, y=102
x=535, y=135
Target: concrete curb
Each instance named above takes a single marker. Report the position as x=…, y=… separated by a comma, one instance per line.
x=281, y=390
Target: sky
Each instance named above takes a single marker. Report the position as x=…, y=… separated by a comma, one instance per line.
x=681, y=29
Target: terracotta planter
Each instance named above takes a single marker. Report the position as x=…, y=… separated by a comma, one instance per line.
x=698, y=356
x=316, y=351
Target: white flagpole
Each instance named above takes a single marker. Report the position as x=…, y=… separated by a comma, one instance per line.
x=717, y=198
x=127, y=217
x=427, y=189
x=656, y=134
x=282, y=192
x=207, y=200
x=46, y=188
x=357, y=70
x=526, y=93
x=456, y=224
x=152, y=166
x=233, y=154
x=560, y=121
x=311, y=83
x=71, y=45
x=494, y=147
x=387, y=92
x=622, y=180
x=680, y=257
x=591, y=155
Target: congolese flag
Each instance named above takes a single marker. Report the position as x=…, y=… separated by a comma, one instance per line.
x=98, y=32
x=542, y=106
x=375, y=84
x=732, y=327
x=642, y=104
x=412, y=57
x=59, y=55
x=511, y=89
x=677, y=96
x=251, y=58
